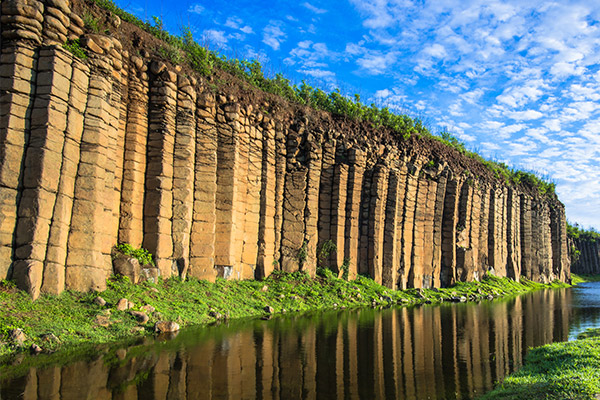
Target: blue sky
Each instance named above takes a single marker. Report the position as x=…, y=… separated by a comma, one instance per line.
x=517, y=81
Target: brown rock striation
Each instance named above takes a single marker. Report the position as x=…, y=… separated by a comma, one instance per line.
x=224, y=181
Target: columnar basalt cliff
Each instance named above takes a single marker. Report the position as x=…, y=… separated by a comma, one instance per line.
x=218, y=179
x=585, y=255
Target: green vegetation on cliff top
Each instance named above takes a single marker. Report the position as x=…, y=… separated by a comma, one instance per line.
x=75, y=318
x=183, y=48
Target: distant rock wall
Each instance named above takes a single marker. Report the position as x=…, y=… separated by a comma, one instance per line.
x=585, y=256
x=122, y=148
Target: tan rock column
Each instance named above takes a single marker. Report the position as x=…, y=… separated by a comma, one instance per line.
x=438, y=226
x=56, y=253
x=266, y=232
x=326, y=191
x=401, y=281
x=88, y=265
x=18, y=73
x=497, y=232
x=43, y=161
x=464, y=254
x=390, y=241
x=415, y=276
x=513, y=235
x=183, y=173
x=338, y=215
x=115, y=150
x=131, y=223
x=449, y=234
x=483, y=261
x=429, y=232
x=56, y=21
x=313, y=152
x=293, y=248
x=158, y=204
x=364, y=221
x=356, y=159
x=473, y=273
x=22, y=21
x=526, y=237
x=253, y=198
x=408, y=222
x=280, y=172
x=232, y=111
x=228, y=155
x=377, y=222
x=202, y=234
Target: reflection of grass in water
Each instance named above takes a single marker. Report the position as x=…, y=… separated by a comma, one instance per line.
x=73, y=317
x=569, y=370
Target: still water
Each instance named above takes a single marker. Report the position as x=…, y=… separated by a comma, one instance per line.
x=449, y=351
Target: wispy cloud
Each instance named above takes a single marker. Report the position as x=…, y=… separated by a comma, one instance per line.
x=196, y=9
x=273, y=34
x=313, y=8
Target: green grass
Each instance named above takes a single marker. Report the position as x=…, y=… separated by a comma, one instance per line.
x=577, y=279
x=72, y=316
x=562, y=371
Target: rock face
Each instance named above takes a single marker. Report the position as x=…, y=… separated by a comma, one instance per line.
x=585, y=255
x=119, y=148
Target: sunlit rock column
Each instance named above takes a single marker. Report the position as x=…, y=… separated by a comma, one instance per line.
x=158, y=203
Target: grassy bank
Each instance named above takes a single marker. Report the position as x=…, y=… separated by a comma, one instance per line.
x=577, y=279
x=568, y=370
x=75, y=318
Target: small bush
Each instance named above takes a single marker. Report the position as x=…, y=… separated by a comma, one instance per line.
x=142, y=255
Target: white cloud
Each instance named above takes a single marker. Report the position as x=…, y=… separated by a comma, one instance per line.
x=376, y=63
x=273, y=35
x=215, y=37
x=313, y=8
x=318, y=73
x=525, y=115
x=196, y=9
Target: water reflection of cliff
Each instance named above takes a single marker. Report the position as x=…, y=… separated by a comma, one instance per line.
x=437, y=352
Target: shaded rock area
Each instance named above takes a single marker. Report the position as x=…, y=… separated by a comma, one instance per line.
x=225, y=181
x=585, y=255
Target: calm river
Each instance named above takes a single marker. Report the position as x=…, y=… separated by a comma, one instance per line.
x=449, y=351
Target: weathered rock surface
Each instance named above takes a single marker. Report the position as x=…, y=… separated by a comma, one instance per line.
x=228, y=182
x=166, y=327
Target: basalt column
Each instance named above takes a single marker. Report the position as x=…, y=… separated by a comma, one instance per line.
x=438, y=226
x=253, y=196
x=56, y=253
x=391, y=249
x=293, y=246
x=408, y=220
x=88, y=264
x=514, y=236
x=202, y=235
x=356, y=158
x=338, y=214
x=376, y=225
x=158, y=204
x=43, y=159
x=266, y=233
x=183, y=173
x=311, y=209
x=18, y=66
x=527, y=253
x=449, y=239
x=131, y=224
